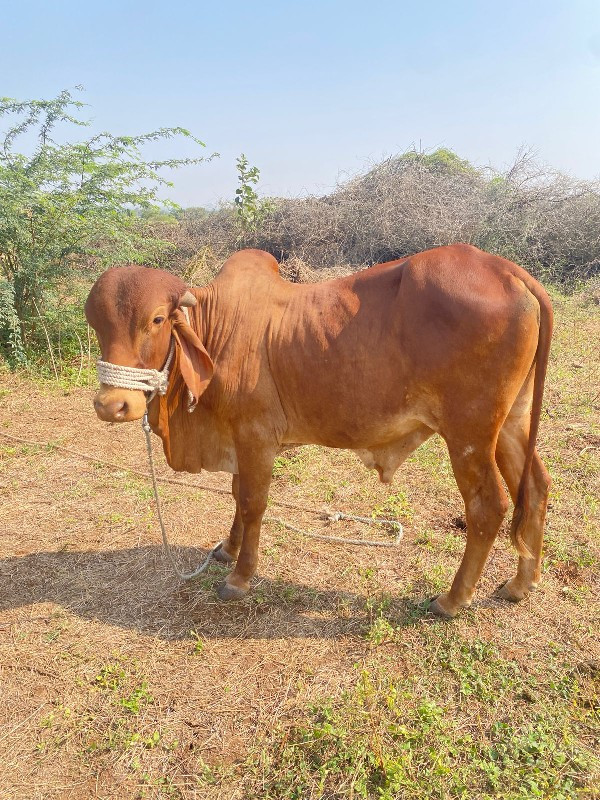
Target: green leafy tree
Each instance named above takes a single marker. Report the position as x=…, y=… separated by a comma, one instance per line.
x=251, y=210
x=64, y=202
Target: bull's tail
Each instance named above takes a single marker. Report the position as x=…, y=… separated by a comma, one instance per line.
x=521, y=512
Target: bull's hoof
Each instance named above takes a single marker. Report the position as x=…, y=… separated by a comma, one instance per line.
x=226, y=591
x=221, y=555
x=512, y=592
x=441, y=608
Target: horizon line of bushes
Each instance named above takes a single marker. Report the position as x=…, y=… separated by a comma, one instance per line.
x=530, y=213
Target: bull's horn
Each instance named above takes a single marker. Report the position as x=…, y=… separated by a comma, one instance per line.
x=187, y=299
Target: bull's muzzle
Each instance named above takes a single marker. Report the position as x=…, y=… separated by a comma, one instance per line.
x=113, y=404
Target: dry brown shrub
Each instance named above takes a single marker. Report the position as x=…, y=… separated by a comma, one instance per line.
x=296, y=270
x=529, y=213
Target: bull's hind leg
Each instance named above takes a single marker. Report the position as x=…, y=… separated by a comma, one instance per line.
x=486, y=503
x=230, y=547
x=510, y=456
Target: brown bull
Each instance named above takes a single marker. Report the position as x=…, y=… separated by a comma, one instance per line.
x=452, y=341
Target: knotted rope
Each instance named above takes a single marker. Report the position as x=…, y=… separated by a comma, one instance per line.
x=144, y=380
x=335, y=516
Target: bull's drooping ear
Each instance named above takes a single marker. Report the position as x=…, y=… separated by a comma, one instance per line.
x=187, y=299
x=194, y=362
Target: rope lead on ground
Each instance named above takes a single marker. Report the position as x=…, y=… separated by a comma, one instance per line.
x=184, y=576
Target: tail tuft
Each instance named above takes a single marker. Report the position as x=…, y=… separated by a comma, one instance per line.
x=519, y=521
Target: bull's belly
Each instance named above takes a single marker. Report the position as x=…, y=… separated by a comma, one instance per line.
x=382, y=447
x=388, y=457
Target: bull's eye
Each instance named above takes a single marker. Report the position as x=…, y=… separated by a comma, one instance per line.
x=158, y=320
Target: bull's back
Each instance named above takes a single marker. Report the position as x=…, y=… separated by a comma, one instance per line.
x=355, y=359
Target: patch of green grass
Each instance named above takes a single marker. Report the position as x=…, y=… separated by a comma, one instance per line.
x=539, y=759
x=138, y=698
x=120, y=737
x=453, y=543
x=424, y=538
x=562, y=549
x=395, y=505
x=437, y=577
x=113, y=678
x=198, y=646
x=152, y=741
x=329, y=491
x=580, y=595
x=17, y=450
x=294, y=465
x=391, y=738
x=139, y=489
x=110, y=677
x=51, y=636
x=432, y=456
x=208, y=579
x=381, y=631
x=478, y=669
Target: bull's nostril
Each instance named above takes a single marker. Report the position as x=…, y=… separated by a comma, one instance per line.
x=120, y=410
x=116, y=411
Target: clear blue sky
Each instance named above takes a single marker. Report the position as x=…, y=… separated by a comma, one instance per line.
x=313, y=90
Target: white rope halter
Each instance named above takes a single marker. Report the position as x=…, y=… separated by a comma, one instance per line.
x=144, y=380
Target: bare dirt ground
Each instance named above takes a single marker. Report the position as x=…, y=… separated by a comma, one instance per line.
x=119, y=681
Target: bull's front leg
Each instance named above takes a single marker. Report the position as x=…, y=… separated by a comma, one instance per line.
x=229, y=549
x=255, y=469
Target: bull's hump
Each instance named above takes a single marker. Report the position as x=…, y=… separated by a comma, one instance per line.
x=257, y=262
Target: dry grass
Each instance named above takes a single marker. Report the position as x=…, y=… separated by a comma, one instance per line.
x=119, y=682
